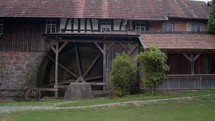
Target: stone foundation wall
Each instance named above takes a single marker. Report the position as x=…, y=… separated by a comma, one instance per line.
x=18, y=71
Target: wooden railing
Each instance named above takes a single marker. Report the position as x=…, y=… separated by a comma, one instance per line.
x=188, y=82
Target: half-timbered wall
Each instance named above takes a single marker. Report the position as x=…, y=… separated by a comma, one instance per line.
x=75, y=25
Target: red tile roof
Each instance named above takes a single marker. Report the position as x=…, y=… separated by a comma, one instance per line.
x=180, y=41
x=123, y=9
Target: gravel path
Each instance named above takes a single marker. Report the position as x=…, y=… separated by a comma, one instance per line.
x=4, y=109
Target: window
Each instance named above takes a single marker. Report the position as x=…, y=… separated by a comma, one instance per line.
x=51, y=26
x=1, y=27
x=195, y=28
x=105, y=26
x=168, y=27
x=140, y=26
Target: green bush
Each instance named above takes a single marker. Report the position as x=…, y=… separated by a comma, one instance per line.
x=211, y=20
x=153, y=65
x=123, y=74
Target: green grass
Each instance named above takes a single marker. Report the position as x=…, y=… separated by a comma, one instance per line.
x=45, y=102
x=196, y=109
x=145, y=96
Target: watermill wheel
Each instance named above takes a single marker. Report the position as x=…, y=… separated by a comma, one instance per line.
x=78, y=62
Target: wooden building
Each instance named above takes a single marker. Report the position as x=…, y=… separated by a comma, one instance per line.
x=47, y=43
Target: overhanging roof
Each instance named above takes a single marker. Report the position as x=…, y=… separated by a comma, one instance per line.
x=120, y=9
x=93, y=37
x=179, y=41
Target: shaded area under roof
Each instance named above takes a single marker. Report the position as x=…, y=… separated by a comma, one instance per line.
x=123, y=9
x=182, y=41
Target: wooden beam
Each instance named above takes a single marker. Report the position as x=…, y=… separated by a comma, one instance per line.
x=80, y=79
x=192, y=60
x=192, y=64
x=72, y=23
x=62, y=46
x=122, y=46
x=79, y=24
x=104, y=65
x=78, y=60
x=67, y=81
x=67, y=21
x=98, y=83
x=56, y=69
x=132, y=50
x=64, y=68
x=91, y=65
x=112, y=44
x=94, y=77
x=91, y=25
x=187, y=57
x=85, y=24
x=196, y=57
x=54, y=49
x=98, y=46
x=120, y=27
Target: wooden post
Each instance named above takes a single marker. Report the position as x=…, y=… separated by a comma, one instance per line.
x=56, y=69
x=104, y=51
x=104, y=67
x=192, y=60
x=57, y=50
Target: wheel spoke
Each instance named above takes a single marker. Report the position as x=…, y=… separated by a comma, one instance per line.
x=32, y=95
x=78, y=60
x=91, y=65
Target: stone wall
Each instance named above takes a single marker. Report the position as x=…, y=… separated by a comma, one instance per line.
x=18, y=71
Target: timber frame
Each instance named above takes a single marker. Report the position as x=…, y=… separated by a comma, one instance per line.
x=128, y=42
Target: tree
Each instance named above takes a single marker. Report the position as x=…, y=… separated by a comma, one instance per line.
x=123, y=74
x=211, y=21
x=154, y=67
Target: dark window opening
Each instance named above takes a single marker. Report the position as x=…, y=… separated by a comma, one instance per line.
x=168, y=27
x=51, y=26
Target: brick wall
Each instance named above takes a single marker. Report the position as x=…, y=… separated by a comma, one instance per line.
x=179, y=25
x=18, y=70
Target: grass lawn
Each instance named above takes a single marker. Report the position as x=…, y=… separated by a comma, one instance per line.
x=145, y=96
x=195, y=109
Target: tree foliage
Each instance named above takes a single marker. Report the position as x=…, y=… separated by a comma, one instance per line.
x=211, y=21
x=154, y=67
x=123, y=74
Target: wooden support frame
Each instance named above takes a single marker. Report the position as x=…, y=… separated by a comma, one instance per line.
x=57, y=50
x=130, y=49
x=64, y=68
x=104, y=52
x=107, y=48
x=192, y=60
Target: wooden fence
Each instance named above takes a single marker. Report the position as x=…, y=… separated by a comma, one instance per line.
x=188, y=82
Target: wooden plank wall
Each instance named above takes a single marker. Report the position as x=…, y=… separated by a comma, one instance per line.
x=188, y=82
x=23, y=35
x=180, y=65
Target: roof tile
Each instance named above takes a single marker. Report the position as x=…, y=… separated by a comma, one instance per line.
x=123, y=9
x=179, y=41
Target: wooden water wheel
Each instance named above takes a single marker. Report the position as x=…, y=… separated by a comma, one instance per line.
x=32, y=94
x=78, y=62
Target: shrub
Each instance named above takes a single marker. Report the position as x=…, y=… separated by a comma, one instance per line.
x=153, y=65
x=123, y=74
x=211, y=20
